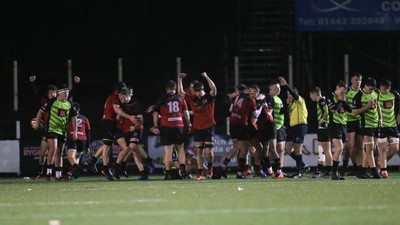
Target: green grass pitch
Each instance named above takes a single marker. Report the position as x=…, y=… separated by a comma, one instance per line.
x=93, y=200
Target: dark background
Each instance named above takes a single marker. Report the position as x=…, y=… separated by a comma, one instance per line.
x=149, y=36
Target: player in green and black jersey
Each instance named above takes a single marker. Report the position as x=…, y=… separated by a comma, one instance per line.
x=338, y=109
x=365, y=104
x=324, y=140
x=353, y=148
x=389, y=101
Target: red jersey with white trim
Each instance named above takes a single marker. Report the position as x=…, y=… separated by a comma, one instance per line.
x=171, y=107
x=203, y=111
x=109, y=113
x=241, y=108
x=82, y=126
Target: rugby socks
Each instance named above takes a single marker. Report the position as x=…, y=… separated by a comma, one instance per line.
x=328, y=169
x=209, y=165
x=241, y=163
x=182, y=168
x=266, y=164
x=345, y=164
x=299, y=162
x=49, y=170
x=256, y=168
x=58, y=172
x=320, y=167
x=335, y=166
x=293, y=155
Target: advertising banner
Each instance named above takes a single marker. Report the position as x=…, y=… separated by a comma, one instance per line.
x=9, y=156
x=347, y=15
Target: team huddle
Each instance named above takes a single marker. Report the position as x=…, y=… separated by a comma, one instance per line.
x=359, y=123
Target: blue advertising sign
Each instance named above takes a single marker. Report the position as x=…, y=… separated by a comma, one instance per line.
x=347, y=15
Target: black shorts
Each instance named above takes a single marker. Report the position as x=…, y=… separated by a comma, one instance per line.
x=270, y=133
x=323, y=135
x=253, y=132
x=369, y=132
x=385, y=132
x=338, y=131
x=78, y=145
x=172, y=135
x=128, y=135
x=281, y=134
x=354, y=126
x=240, y=132
x=109, y=129
x=296, y=133
x=59, y=137
x=205, y=135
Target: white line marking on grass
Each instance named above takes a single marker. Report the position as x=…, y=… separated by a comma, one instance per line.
x=82, y=202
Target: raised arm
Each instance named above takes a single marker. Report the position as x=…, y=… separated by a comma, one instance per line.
x=181, y=92
x=283, y=83
x=213, y=88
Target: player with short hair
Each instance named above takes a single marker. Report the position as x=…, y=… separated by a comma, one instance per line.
x=202, y=105
x=75, y=148
x=338, y=109
x=243, y=112
x=60, y=112
x=112, y=108
x=353, y=148
x=174, y=120
x=389, y=101
x=366, y=105
x=297, y=126
x=324, y=140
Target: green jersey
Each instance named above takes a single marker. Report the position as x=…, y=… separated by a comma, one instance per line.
x=350, y=96
x=389, y=103
x=321, y=108
x=338, y=110
x=59, y=114
x=279, y=117
x=369, y=118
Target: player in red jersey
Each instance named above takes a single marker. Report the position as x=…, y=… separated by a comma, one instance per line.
x=174, y=117
x=75, y=148
x=112, y=108
x=242, y=108
x=202, y=105
x=131, y=135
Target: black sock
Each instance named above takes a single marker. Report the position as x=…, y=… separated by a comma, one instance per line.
x=345, y=163
x=226, y=161
x=320, y=167
x=299, y=162
x=200, y=171
x=241, y=163
x=328, y=169
x=293, y=155
x=182, y=167
x=266, y=163
x=256, y=168
x=335, y=166
x=209, y=165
